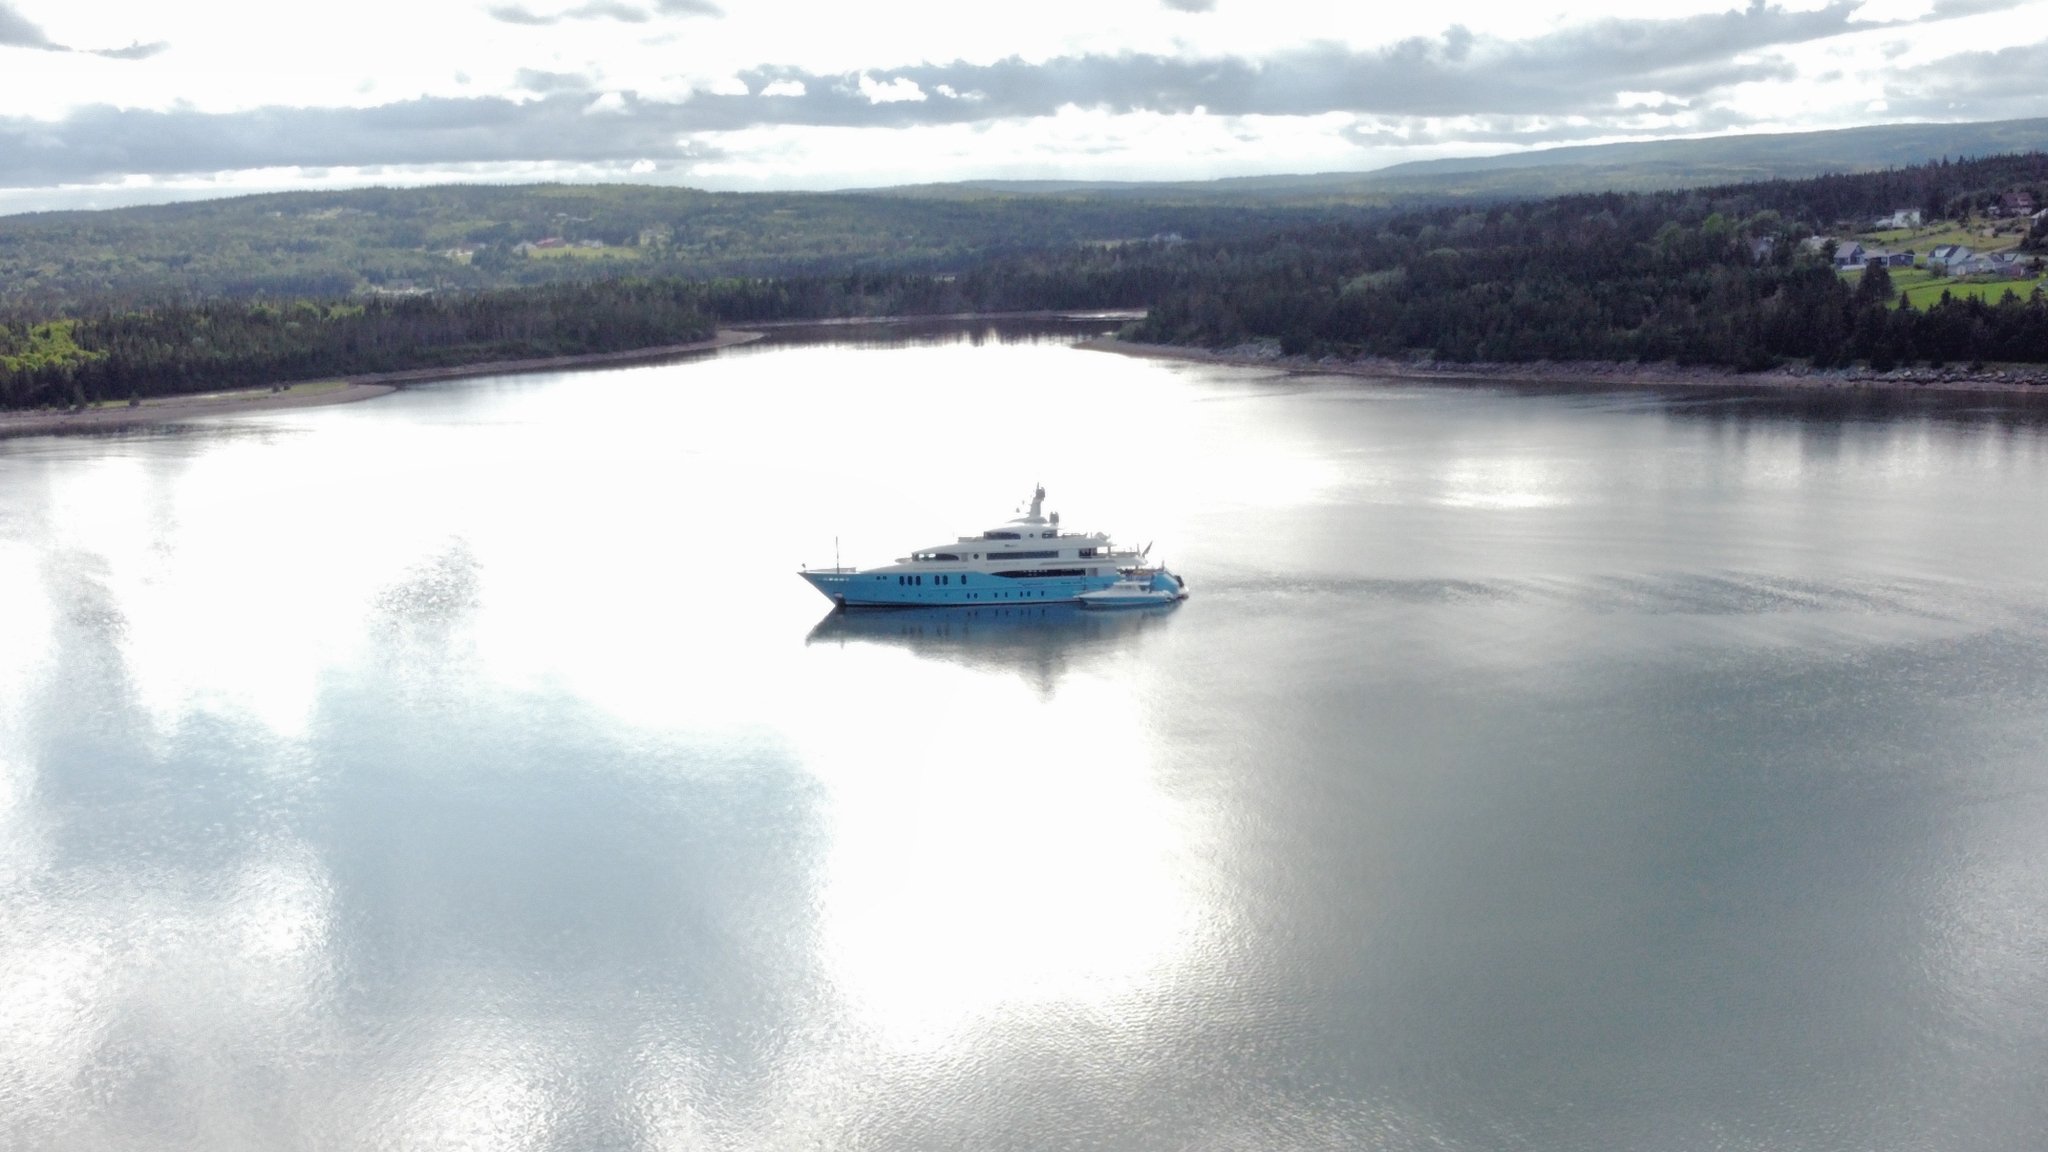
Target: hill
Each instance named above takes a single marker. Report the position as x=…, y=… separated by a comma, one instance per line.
x=470, y=237
x=1646, y=166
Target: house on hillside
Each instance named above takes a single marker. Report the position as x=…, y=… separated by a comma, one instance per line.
x=1949, y=254
x=1849, y=255
x=1887, y=259
x=2012, y=267
x=1903, y=218
x=2017, y=203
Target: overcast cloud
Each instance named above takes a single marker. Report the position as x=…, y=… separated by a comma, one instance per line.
x=603, y=10
x=17, y=31
x=663, y=84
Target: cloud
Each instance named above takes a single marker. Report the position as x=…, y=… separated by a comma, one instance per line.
x=1459, y=74
x=1954, y=9
x=1608, y=77
x=1400, y=133
x=602, y=10
x=103, y=142
x=540, y=82
x=514, y=14
x=1972, y=85
x=596, y=10
x=17, y=31
x=1190, y=5
x=137, y=51
x=894, y=91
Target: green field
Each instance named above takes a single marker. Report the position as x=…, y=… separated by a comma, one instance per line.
x=1921, y=240
x=1927, y=294
x=606, y=253
x=1924, y=288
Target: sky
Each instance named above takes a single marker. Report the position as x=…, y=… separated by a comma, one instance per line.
x=107, y=102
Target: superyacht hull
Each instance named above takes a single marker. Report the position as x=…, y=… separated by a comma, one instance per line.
x=854, y=589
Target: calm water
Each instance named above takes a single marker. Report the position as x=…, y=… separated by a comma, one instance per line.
x=467, y=769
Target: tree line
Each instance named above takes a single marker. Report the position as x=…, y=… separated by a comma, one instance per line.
x=186, y=346
x=1716, y=276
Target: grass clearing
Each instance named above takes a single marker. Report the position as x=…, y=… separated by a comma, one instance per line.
x=1970, y=235
x=1926, y=295
x=612, y=253
x=1924, y=288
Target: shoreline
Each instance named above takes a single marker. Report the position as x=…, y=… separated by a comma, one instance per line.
x=1074, y=315
x=335, y=390
x=2021, y=379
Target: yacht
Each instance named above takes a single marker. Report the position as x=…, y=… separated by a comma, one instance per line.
x=1027, y=560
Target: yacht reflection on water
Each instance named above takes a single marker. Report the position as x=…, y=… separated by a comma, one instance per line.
x=1037, y=641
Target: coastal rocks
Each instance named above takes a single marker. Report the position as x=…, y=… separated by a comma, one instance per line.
x=1268, y=353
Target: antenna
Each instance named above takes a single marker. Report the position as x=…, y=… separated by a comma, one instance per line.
x=835, y=552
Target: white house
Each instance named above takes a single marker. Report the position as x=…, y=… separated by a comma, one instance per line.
x=1903, y=218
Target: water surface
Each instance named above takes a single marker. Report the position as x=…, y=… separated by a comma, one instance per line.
x=1532, y=768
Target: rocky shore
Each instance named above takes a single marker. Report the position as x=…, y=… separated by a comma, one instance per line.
x=309, y=394
x=1266, y=353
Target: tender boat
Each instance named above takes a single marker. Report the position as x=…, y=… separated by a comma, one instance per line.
x=1138, y=588
x=1027, y=560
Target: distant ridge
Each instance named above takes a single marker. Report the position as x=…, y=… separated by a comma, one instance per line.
x=331, y=244
x=1626, y=167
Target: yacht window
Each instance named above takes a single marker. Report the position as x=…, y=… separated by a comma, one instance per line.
x=1086, y=553
x=999, y=536
x=1048, y=554
x=1037, y=573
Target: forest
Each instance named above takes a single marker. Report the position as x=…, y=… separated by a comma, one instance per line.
x=468, y=238
x=1722, y=276
x=1716, y=276
x=182, y=347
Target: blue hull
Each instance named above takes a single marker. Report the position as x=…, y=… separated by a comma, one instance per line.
x=881, y=590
